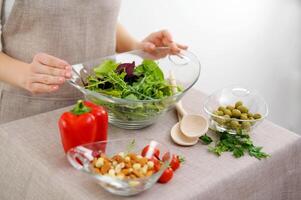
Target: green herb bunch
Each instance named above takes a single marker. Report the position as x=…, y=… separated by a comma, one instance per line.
x=238, y=144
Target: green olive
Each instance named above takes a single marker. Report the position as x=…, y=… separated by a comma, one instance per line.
x=228, y=112
x=216, y=112
x=228, y=124
x=238, y=103
x=244, y=116
x=227, y=118
x=221, y=108
x=250, y=115
x=234, y=124
x=257, y=116
x=246, y=125
x=219, y=121
x=230, y=108
x=236, y=113
x=252, y=118
x=243, y=109
x=220, y=113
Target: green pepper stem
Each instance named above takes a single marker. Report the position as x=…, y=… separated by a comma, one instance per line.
x=80, y=108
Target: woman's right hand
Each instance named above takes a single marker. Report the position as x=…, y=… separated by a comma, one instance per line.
x=45, y=74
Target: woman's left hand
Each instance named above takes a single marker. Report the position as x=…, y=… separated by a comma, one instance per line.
x=161, y=38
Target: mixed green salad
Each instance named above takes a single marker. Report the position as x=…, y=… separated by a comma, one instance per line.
x=125, y=80
x=129, y=81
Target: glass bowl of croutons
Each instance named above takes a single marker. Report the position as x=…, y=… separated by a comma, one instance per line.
x=122, y=166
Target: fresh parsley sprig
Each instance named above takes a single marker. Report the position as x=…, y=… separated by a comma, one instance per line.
x=206, y=139
x=238, y=144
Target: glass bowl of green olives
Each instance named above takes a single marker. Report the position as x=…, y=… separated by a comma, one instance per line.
x=235, y=109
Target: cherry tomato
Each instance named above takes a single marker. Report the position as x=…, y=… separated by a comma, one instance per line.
x=166, y=157
x=157, y=164
x=149, y=152
x=96, y=154
x=166, y=176
x=176, y=162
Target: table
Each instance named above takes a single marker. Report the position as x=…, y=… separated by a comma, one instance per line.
x=33, y=165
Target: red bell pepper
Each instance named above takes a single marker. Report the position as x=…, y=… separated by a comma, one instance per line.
x=85, y=123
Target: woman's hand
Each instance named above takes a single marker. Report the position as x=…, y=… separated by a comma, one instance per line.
x=161, y=38
x=125, y=42
x=45, y=74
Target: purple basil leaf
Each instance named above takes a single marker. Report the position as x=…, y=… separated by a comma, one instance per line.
x=127, y=67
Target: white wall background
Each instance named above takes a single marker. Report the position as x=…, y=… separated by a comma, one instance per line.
x=256, y=43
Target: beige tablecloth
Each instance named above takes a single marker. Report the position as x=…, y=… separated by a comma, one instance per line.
x=33, y=165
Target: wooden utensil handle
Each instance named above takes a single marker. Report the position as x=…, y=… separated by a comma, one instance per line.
x=181, y=111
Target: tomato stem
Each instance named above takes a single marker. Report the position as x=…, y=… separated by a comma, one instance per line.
x=181, y=159
x=80, y=108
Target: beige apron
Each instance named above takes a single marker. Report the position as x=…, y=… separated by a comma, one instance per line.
x=73, y=30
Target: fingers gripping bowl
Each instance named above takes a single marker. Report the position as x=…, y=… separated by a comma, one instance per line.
x=132, y=111
x=84, y=158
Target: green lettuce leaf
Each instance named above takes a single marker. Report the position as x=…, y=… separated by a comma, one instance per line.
x=149, y=68
x=106, y=67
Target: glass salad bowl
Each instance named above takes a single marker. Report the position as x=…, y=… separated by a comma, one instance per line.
x=81, y=158
x=235, y=109
x=132, y=113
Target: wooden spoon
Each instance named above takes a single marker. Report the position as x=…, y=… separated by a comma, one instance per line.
x=177, y=135
x=191, y=127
